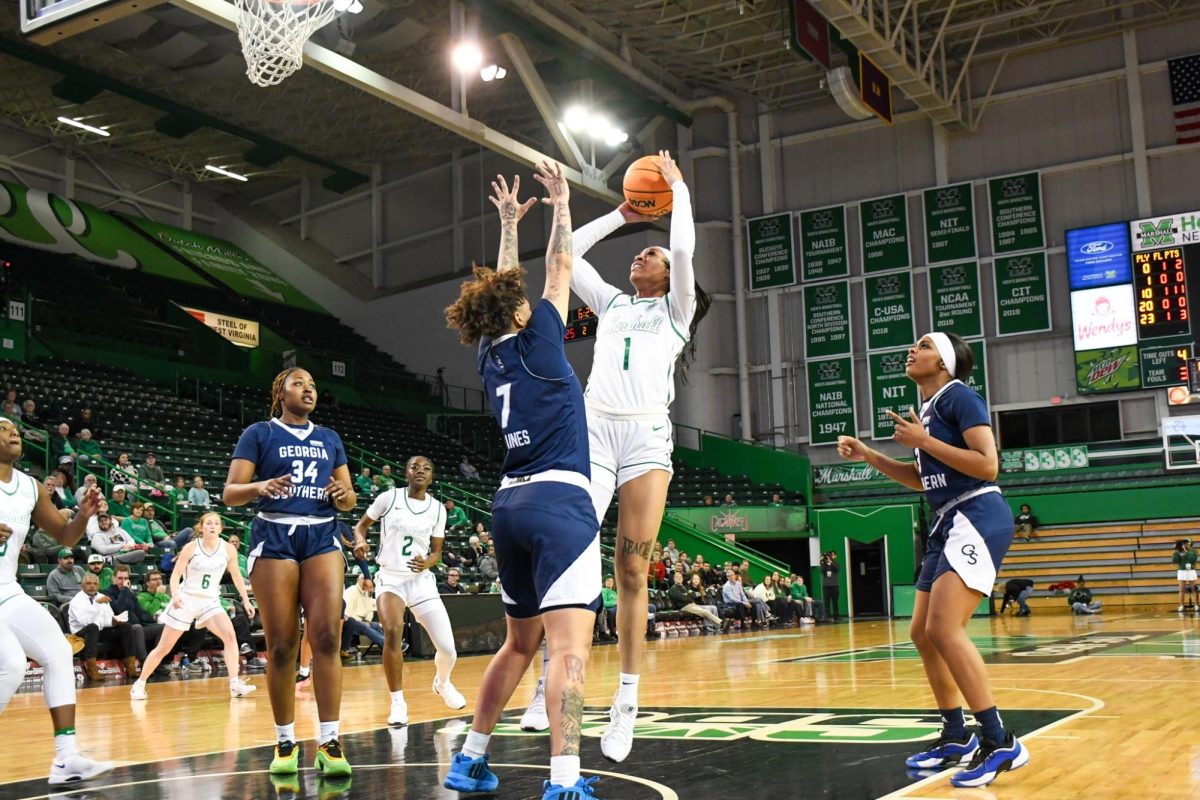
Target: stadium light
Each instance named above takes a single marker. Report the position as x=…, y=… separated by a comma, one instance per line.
x=84, y=126
x=597, y=126
x=466, y=57
x=226, y=173
x=492, y=72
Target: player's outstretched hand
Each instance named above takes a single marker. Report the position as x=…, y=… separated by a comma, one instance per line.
x=336, y=490
x=669, y=169
x=416, y=564
x=631, y=216
x=89, y=506
x=360, y=547
x=550, y=175
x=908, y=432
x=851, y=449
x=511, y=209
x=276, y=488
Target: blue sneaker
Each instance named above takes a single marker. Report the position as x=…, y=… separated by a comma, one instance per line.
x=990, y=760
x=945, y=752
x=470, y=775
x=580, y=791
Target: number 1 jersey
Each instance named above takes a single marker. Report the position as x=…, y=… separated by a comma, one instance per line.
x=308, y=454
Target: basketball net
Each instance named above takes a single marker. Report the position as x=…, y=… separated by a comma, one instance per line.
x=273, y=33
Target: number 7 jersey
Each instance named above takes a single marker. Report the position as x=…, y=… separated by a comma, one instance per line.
x=308, y=454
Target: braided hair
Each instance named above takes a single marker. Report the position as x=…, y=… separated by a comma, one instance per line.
x=277, y=391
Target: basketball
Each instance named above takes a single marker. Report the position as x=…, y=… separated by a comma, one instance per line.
x=645, y=188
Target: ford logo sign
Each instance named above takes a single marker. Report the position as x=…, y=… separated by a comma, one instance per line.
x=1095, y=248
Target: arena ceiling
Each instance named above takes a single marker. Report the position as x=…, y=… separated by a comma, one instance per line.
x=315, y=124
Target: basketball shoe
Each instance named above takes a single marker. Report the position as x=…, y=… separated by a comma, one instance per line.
x=75, y=768
x=945, y=752
x=990, y=760
x=534, y=718
x=331, y=761
x=452, y=697
x=471, y=775
x=581, y=790
x=286, y=760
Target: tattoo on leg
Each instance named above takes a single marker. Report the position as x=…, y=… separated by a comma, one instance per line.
x=574, y=669
x=632, y=548
x=572, y=712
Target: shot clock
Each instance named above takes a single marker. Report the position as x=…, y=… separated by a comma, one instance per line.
x=581, y=324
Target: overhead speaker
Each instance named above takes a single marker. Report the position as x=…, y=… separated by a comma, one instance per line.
x=845, y=92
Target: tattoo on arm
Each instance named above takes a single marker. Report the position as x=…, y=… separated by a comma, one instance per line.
x=561, y=241
x=509, y=257
x=632, y=548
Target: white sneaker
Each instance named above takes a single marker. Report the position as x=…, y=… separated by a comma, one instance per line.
x=239, y=688
x=534, y=718
x=452, y=697
x=617, y=739
x=138, y=691
x=77, y=767
x=399, y=713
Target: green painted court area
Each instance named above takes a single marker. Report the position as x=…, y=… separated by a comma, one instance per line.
x=907, y=651
x=1184, y=644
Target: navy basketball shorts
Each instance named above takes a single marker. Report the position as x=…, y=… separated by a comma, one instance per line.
x=970, y=539
x=291, y=538
x=547, y=545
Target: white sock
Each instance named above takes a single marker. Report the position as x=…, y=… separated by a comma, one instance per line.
x=627, y=691
x=398, y=697
x=328, y=730
x=476, y=744
x=64, y=746
x=304, y=671
x=285, y=733
x=564, y=770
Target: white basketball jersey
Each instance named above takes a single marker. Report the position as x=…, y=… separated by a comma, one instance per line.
x=406, y=527
x=205, y=570
x=17, y=500
x=633, y=366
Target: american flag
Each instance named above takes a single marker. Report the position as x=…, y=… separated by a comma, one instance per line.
x=1185, y=95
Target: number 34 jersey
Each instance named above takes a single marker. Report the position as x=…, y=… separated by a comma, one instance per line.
x=406, y=527
x=308, y=455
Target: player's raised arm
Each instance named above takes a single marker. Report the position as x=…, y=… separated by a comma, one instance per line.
x=559, y=252
x=511, y=210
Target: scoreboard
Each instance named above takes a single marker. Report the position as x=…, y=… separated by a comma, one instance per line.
x=1160, y=281
x=581, y=324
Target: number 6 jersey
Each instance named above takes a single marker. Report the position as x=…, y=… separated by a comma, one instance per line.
x=307, y=454
x=406, y=527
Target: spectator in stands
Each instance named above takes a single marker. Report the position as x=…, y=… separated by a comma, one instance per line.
x=64, y=582
x=31, y=422
x=87, y=450
x=487, y=565
x=468, y=469
x=473, y=553
x=776, y=501
x=158, y=531
x=735, y=597
x=1025, y=524
x=118, y=506
x=115, y=543
x=153, y=600
x=688, y=601
x=1017, y=590
x=124, y=599
x=91, y=618
x=62, y=450
x=136, y=526
x=608, y=604
x=236, y=541
x=151, y=478
x=455, y=516
x=1081, y=599
x=198, y=495
x=59, y=483
x=363, y=482
x=179, y=492
x=451, y=584
x=1184, y=559
x=241, y=632
x=830, y=589
x=123, y=473
x=175, y=543
x=800, y=598
x=359, y=617
x=658, y=572
x=450, y=557
x=44, y=548
x=482, y=532
x=762, y=612
x=103, y=573
x=11, y=411
x=386, y=480
x=709, y=575
x=89, y=482
x=777, y=607
x=87, y=419
x=376, y=484
x=729, y=501
x=671, y=551
x=708, y=500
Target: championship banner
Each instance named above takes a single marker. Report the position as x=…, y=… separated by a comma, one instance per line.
x=889, y=310
x=977, y=380
x=949, y=223
x=831, y=400
x=1022, y=294
x=242, y=332
x=954, y=297
x=1016, y=205
x=827, y=319
x=772, y=252
x=891, y=390
x=823, y=243
x=883, y=234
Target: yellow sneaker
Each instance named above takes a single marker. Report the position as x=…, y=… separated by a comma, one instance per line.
x=330, y=760
x=287, y=759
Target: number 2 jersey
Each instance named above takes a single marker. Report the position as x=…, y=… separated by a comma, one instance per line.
x=406, y=526
x=308, y=454
x=536, y=397
x=17, y=500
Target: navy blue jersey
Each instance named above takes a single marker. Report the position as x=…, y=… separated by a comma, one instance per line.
x=309, y=454
x=955, y=408
x=536, y=398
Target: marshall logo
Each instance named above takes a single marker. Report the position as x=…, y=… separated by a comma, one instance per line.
x=821, y=219
x=1013, y=187
x=1157, y=233
x=825, y=294
x=953, y=276
x=1020, y=267
x=892, y=364
x=887, y=284
x=829, y=371
x=947, y=198
x=1106, y=366
x=769, y=227
x=843, y=473
x=883, y=209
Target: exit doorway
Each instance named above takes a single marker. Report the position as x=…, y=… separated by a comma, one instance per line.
x=867, y=578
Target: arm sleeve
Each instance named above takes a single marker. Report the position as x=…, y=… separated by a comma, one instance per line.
x=249, y=446
x=586, y=236
x=683, y=247
x=591, y=288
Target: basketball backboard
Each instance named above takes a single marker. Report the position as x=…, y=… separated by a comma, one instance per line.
x=47, y=21
x=1181, y=442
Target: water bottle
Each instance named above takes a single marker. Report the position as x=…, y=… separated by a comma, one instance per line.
x=184, y=663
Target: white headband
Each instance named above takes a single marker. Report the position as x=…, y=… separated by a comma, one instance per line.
x=945, y=349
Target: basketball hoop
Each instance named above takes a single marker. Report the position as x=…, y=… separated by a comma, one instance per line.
x=273, y=33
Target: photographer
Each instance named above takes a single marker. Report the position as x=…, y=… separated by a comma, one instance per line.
x=830, y=590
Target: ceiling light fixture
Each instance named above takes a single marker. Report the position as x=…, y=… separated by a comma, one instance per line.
x=466, y=57
x=226, y=173
x=492, y=72
x=83, y=126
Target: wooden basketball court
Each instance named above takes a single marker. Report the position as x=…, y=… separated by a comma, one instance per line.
x=1102, y=702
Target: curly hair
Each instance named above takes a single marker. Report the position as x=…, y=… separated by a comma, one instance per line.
x=485, y=305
